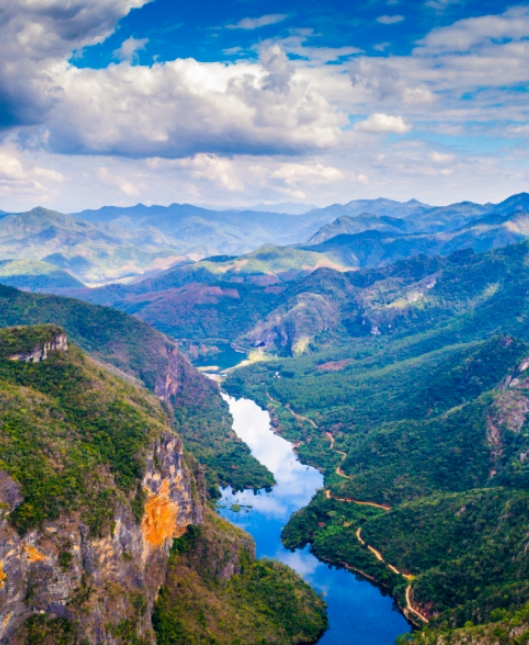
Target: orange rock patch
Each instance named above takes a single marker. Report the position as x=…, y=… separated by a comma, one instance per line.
x=2, y=576
x=33, y=554
x=160, y=520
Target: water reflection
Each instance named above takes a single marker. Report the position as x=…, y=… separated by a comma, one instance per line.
x=359, y=614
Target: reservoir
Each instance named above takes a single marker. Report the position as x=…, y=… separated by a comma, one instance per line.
x=359, y=612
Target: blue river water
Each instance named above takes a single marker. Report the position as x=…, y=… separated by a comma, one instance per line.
x=359, y=612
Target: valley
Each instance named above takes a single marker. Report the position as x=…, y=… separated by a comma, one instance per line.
x=390, y=350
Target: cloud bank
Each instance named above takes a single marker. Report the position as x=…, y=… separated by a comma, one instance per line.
x=274, y=126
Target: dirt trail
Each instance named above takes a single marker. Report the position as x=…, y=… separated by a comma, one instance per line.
x=409, y=605
x=411, y=608
x=351, y=500
x=299, y=417
x=339, y=471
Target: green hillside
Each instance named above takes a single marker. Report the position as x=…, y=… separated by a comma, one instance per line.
x=103, y=423
x=82, y=453
x=35, y=275
x=137, y=350
x=415, y=405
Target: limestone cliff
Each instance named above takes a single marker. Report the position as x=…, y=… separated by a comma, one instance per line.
x=99, y=583
x=103, y=585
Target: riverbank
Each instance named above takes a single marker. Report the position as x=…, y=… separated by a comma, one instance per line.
x=357, y=608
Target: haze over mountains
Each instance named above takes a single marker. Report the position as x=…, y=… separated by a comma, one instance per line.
x=115, y=244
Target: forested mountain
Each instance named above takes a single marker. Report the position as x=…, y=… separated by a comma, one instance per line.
x=408, y=383
x=125, y=244
x=102, y=502
x=416, y=406
x=91, y=253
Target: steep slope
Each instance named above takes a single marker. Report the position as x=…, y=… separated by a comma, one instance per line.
x=416, y=407
x=135, y=349
x=86, y=458
x=96, y=492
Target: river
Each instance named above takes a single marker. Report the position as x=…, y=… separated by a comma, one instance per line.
x=359, y=612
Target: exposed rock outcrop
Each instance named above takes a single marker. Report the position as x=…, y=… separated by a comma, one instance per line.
x=101, y=584
x=41, y=351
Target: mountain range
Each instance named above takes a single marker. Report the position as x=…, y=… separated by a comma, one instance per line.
x=129, y=244
x=390, y=345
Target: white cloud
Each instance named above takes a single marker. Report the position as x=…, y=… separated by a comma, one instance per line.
x=441, y=157
x=256, y=23
x=116, y=181
x=180, y=108
x=38, y=36
x=519, y=130
x=390, y=20
x=129, y=48
x=49, y=174
x=440, y=5
x=10, y=168
x=464, y=35
x=379, y=122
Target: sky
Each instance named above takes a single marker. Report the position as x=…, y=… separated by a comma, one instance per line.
x=237, y=103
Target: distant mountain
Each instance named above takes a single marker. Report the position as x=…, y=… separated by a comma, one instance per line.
x=290, y=208
x=380, y=207
x=372, y=248
x=348, y=225
x=222, y=232
x=92, y=253
x=35, y=275
x=114, y=244
x=224, y=283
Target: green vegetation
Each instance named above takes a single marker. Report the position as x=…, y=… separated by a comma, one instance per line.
x=72, y=435
x=44, y=630
x=428, y=416
x=506, y=628
x=36, y=276
x=263, y=603
x=136, y=349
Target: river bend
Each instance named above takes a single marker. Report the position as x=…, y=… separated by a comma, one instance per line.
x=359, y=612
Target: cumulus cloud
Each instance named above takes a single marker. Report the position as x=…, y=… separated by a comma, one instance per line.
x=256, y=23
x=183, y=107
x=390, y=20
x=39, y=36
x=204, y=123
x=379, y=122
x=129, y=48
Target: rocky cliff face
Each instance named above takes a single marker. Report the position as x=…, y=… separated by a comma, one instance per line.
x=104, y=585
x=100, y=588
x=41, y=351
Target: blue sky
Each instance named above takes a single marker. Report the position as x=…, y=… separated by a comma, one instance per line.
x=204, y=30
x=234, y=103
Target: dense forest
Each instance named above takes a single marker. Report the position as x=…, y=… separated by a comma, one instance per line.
x=421, y=431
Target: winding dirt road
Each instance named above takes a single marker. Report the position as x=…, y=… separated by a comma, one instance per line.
x=410, y=609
